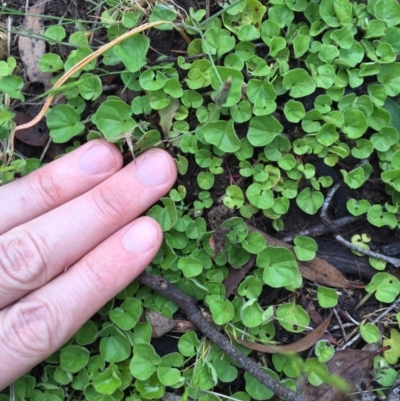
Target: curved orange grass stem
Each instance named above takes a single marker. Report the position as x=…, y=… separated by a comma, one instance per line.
x=76, y=68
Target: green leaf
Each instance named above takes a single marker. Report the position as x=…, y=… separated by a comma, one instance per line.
x=73, y=358
x=324, y=351
x=327, y=135
x=64, y=123
x=327, y=297
x=260, y=197
x=393, y=108
x=163, y=12
x=392, y=177
x=294, y=111
x=393, y=353
x=385, y=138
x=292, y=317
x=115, y=347
x=254, y=243
x=281, y=14
x=90, y=87
x=54, y=33
x=363, y=149
x=128, y=314
x=251, y=313
x=50, y=62
x=221, y=134
x=385, y=286
x=188, y=343
x=279, y=264
x=113, y=118
x=241, y=112
x=191, y=267
x=205, y=180
x=217, y=42
x=132, y=52
x=355, y=123
x=87, y=334
x=234, y=197
x=108, y=381
x=377, y=93
x=377, y=217
x=370, y=333
x=151, y=388
x=357, y=208
x=309, y=201
x=250, y=287
x=166, y=216
x=299, y=82
x=255, y=389
x=390, y=76
x=263, y=129
x=144, y=361
x=356, y=178
x=225, y=74
x=222, y=311
x=305, y=248
x=301, y=44
x=388, y=11
x=152, y=81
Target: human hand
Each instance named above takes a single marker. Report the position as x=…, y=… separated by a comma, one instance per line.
x=76, y=212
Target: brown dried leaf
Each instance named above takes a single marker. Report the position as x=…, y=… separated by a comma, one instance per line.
x=167, y=115
x=351, y=365
x=235, y=276
x=36, y=135
x=31, y=47
x=318, y=270
x=305, y=343
x=160, y=324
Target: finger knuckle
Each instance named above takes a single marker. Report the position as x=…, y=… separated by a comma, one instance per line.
x=47, y=188
x=110, y=204
x=31, y=324
x=22, y=262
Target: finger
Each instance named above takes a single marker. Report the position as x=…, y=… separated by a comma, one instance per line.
x=35, y=252
x=57, y=183
x=45, y=319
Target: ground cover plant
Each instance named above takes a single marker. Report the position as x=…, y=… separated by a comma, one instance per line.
x=284, y=122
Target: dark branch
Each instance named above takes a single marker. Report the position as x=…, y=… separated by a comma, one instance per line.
x=188, y=305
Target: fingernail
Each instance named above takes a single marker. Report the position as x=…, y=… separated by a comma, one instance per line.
x=97, y=160
x=154, y=168
x=141, y=236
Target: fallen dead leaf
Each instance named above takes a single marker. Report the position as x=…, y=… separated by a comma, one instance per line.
x=235, y=276
x=298, y=346
x=351, y=365
x=159, y=323
x=167, y=115
x=36, y=135
x=318, y=270
x=31, y=47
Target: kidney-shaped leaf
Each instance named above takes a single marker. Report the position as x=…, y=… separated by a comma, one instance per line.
x=279, y=264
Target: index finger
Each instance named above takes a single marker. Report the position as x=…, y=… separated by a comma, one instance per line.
x=49, y=187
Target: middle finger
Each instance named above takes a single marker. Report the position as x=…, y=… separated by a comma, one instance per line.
x=35, y=252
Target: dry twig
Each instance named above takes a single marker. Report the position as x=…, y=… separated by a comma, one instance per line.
x=188, y=305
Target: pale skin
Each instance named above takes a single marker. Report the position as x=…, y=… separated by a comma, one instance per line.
x=70, y=240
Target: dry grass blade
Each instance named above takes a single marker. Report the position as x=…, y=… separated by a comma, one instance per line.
x=31, y=47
